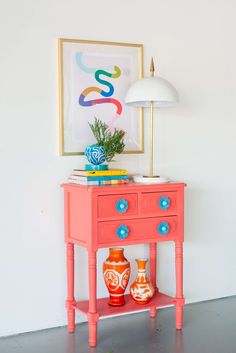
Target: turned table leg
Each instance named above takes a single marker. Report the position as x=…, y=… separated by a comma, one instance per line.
x=179, y=284
x=153, y=265
x=70, y=302
x=92, y=314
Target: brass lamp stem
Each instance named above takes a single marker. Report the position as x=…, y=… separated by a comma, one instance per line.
x=151, y=140
x=152, y=70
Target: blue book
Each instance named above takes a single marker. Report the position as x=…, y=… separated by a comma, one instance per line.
x=100, y=178
x=107, y=177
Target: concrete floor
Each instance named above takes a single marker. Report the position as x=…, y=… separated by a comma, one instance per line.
x=210, y=327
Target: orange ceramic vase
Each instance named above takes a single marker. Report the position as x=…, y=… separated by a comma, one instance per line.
x=116, y=272
x=141, y=290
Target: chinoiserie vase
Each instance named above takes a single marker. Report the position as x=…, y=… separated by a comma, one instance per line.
x=116, y=272
x=95, y=154
x=141, y=290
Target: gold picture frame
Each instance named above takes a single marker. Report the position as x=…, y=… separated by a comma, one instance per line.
x=75, y=76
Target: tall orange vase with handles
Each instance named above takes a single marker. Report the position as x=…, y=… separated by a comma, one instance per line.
x=116, y=272
x=141, y=290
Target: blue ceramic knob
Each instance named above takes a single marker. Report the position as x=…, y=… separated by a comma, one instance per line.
x=163, y=228
x=122, y=231
x=122, y=206
x=95, y=154
x=164, y=203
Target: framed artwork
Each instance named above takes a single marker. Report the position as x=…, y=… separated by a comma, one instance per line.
x=93, y=80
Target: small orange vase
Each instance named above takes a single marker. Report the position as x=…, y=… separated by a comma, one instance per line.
x=142, y=290
x=116, y=272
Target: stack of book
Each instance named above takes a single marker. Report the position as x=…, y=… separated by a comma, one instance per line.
x=99, y=177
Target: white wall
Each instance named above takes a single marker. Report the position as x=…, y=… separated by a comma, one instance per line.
x=193, y=45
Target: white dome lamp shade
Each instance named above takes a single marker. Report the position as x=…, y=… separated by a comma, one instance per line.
x=151, y=89
x=152, y=92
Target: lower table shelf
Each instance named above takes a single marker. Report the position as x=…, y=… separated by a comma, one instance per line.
x=103, y=309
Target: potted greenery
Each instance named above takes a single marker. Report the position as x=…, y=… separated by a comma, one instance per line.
x=109, y=143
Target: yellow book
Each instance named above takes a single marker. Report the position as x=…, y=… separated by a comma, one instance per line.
x=100, y=172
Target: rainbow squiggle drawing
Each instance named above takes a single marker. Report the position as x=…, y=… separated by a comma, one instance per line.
x=97, y=73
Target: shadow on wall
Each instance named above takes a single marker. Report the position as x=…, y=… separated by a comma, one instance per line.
x=208, y=222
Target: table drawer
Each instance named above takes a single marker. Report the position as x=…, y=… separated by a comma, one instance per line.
x=126, y=231
x=159, y=203
x=117, y=205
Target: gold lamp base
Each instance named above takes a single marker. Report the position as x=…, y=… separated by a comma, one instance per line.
x=150, y=179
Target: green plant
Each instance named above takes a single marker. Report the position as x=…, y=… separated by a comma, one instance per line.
x=112, y=141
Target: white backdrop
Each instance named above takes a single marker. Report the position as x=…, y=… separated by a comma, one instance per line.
x=193, y=46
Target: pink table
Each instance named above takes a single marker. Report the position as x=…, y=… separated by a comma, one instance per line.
x=155, y=214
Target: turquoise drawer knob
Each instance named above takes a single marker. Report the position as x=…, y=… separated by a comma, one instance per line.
x=122, y=206
x=122, y=231
x=164, y=203
x=163, y=228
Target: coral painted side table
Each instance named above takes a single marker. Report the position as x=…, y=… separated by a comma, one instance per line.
x=155, y=213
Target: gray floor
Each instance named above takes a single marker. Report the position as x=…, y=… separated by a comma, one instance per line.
x=210, y=327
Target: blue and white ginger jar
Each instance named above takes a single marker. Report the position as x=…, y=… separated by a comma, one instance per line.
x=95, y=154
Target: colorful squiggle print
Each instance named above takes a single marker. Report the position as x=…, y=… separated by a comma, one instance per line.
x=97, y=73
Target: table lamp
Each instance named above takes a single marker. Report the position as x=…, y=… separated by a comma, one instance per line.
x=152, y=92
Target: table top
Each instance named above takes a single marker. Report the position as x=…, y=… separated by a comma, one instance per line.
x=131, y=186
